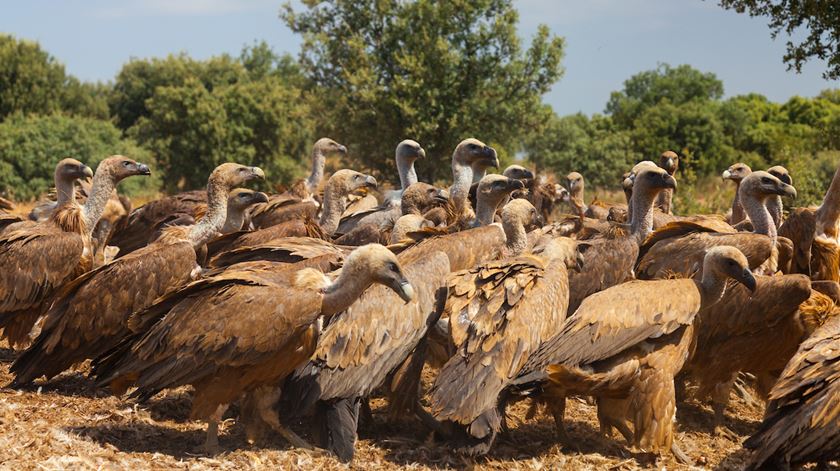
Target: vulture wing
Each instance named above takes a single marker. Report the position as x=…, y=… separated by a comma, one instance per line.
x=607, y=263
x=289, y=250
x=138, y=230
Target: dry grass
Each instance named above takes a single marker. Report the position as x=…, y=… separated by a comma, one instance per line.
x=69, y=425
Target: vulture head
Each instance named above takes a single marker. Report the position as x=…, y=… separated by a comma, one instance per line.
x=230, y=175
x=560, y=193
x=241, y=198
x=562, y=248
x=520, y=212
x=118, y=167
x=377, y=264
x=518, y=172
x=494, y=188
x=728, y=262
x=71, y=170
x=760, y=185
x=669, y=161
x=736, y=172
x=574, y=182
x=329, y=148
x=422, y=197
x=653, y=180
x=409, y=151
x=475, y=154
x=781, y=173
x=350, y=182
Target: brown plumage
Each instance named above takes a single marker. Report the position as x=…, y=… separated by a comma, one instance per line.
x=234, y=337
x=286, y=250
x=90, y=315
x=628, y=342
x=802, y=420
x=41, y=259
x=499, y=312
x=668, y=161
x=736, y=173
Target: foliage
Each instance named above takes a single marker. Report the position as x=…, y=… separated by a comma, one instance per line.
x=31, y=146
x=436, y=72
x=819, y=18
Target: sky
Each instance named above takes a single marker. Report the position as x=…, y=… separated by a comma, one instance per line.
x=607, y=41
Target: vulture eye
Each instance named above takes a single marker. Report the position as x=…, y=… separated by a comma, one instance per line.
x=393, y=267
x=766, y=180
x=126, y=163
x=472, y=146
x=357, y=176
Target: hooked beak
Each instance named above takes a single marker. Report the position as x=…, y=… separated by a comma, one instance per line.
x=529, y=175
x=514, y=185
x=260, y=197
x=726, y=175
x=421, y=153
x=670, y=165
x=370, y=182
x=491, y=157
x=670, y=182
x=143, y=169
x=579, y=262
x=787, y=190
x=87, y=172
x=403, y=288
x=257, y=174
x=748, y=280
x=342, y=150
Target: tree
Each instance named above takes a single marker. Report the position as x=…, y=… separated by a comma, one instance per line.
x=31, y=146
x=819, y=18
x=437, y=72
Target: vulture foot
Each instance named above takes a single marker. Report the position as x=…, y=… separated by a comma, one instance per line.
x=724, y=432
x=211, y=443
x=680, y=455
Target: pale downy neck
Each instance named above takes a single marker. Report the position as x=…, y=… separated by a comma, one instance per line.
x=737, y=210
x=478, y=175
x=101, y=189
x=577, y=204
x=234, y=219
x=344, y=291
x=756, y=210
x=334, y=205
x=516, y=240
x=65, y=190
x=213, y=221
x=408, y=175
x=317, y=174
x=485, y=211
x=712, y=286
x=641, y=220
x=829, y=211
x=663, y=200
x=775, y=207
x=462, y=176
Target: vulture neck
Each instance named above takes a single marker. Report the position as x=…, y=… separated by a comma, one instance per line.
x=737, y=210
x=774, y=207
x=485, y=211
x=759, y=216
x=317, y=174
x=65, y=190
x=100, y=191
x=516, y=238
x=663, y=200
x=462, y=176
x=214, y=219
x=641, y=219
x=577, y=203
x=334, y=205
x=829, y=211
x=344, y=291
x=234, y=219
x=712, y=286
x=477, y=176
x=408, y=175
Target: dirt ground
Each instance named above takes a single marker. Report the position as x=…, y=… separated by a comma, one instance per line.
x=66, y=424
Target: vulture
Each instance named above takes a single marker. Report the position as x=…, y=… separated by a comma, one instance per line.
x=41, y=259
x=67, y=172
x=499, y=312
x=679, y=247
x=239, y=331
x=611, y=259
x=736, y=173
x=575, y=185
x=515, y=172
x=755, y=333
x=802, y=420
x=668, y=161
x=341, y=184
x=298, y=202
x=90, y=315
x=624, y=345
x=774, y=204
x=408, y=151
x=469, y=152
x=815, y=233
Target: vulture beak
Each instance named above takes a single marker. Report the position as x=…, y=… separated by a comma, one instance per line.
x=342, y=150
x=579, y=262
x=260, y=197
x=440, y=197
x=370, y=182
x=670, y=165
x=257, y=173
x=539, y=221
x=726, y=175
x=143, y=169
x=86, y=172
x=403, y=288
x=786, y=179
x=529, y=175
x=490, y=156
x=670, y=182
x=787, y=190
x=514, y=185
x=421, y=153
x=748, y=280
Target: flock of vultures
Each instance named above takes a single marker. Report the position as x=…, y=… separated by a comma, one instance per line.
x=299, y=306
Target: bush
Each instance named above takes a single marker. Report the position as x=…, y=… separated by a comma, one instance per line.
x=31, y=146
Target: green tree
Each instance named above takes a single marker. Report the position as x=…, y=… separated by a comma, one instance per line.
x=819, y=19
x=31, y=146
x=437, y=72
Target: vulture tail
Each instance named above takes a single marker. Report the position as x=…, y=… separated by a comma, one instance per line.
x=335, y=426
x=33, y=363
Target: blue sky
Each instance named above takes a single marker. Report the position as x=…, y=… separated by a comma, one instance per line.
x=607, y=40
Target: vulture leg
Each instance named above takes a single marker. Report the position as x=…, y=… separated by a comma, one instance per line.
x=366, y=414
x=265, y=407
x=211, y=443
x=680, y=455
x=611, y=413
x=720, y=399
x=557, y=406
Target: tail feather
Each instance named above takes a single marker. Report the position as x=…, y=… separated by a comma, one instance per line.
x=335, y=426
